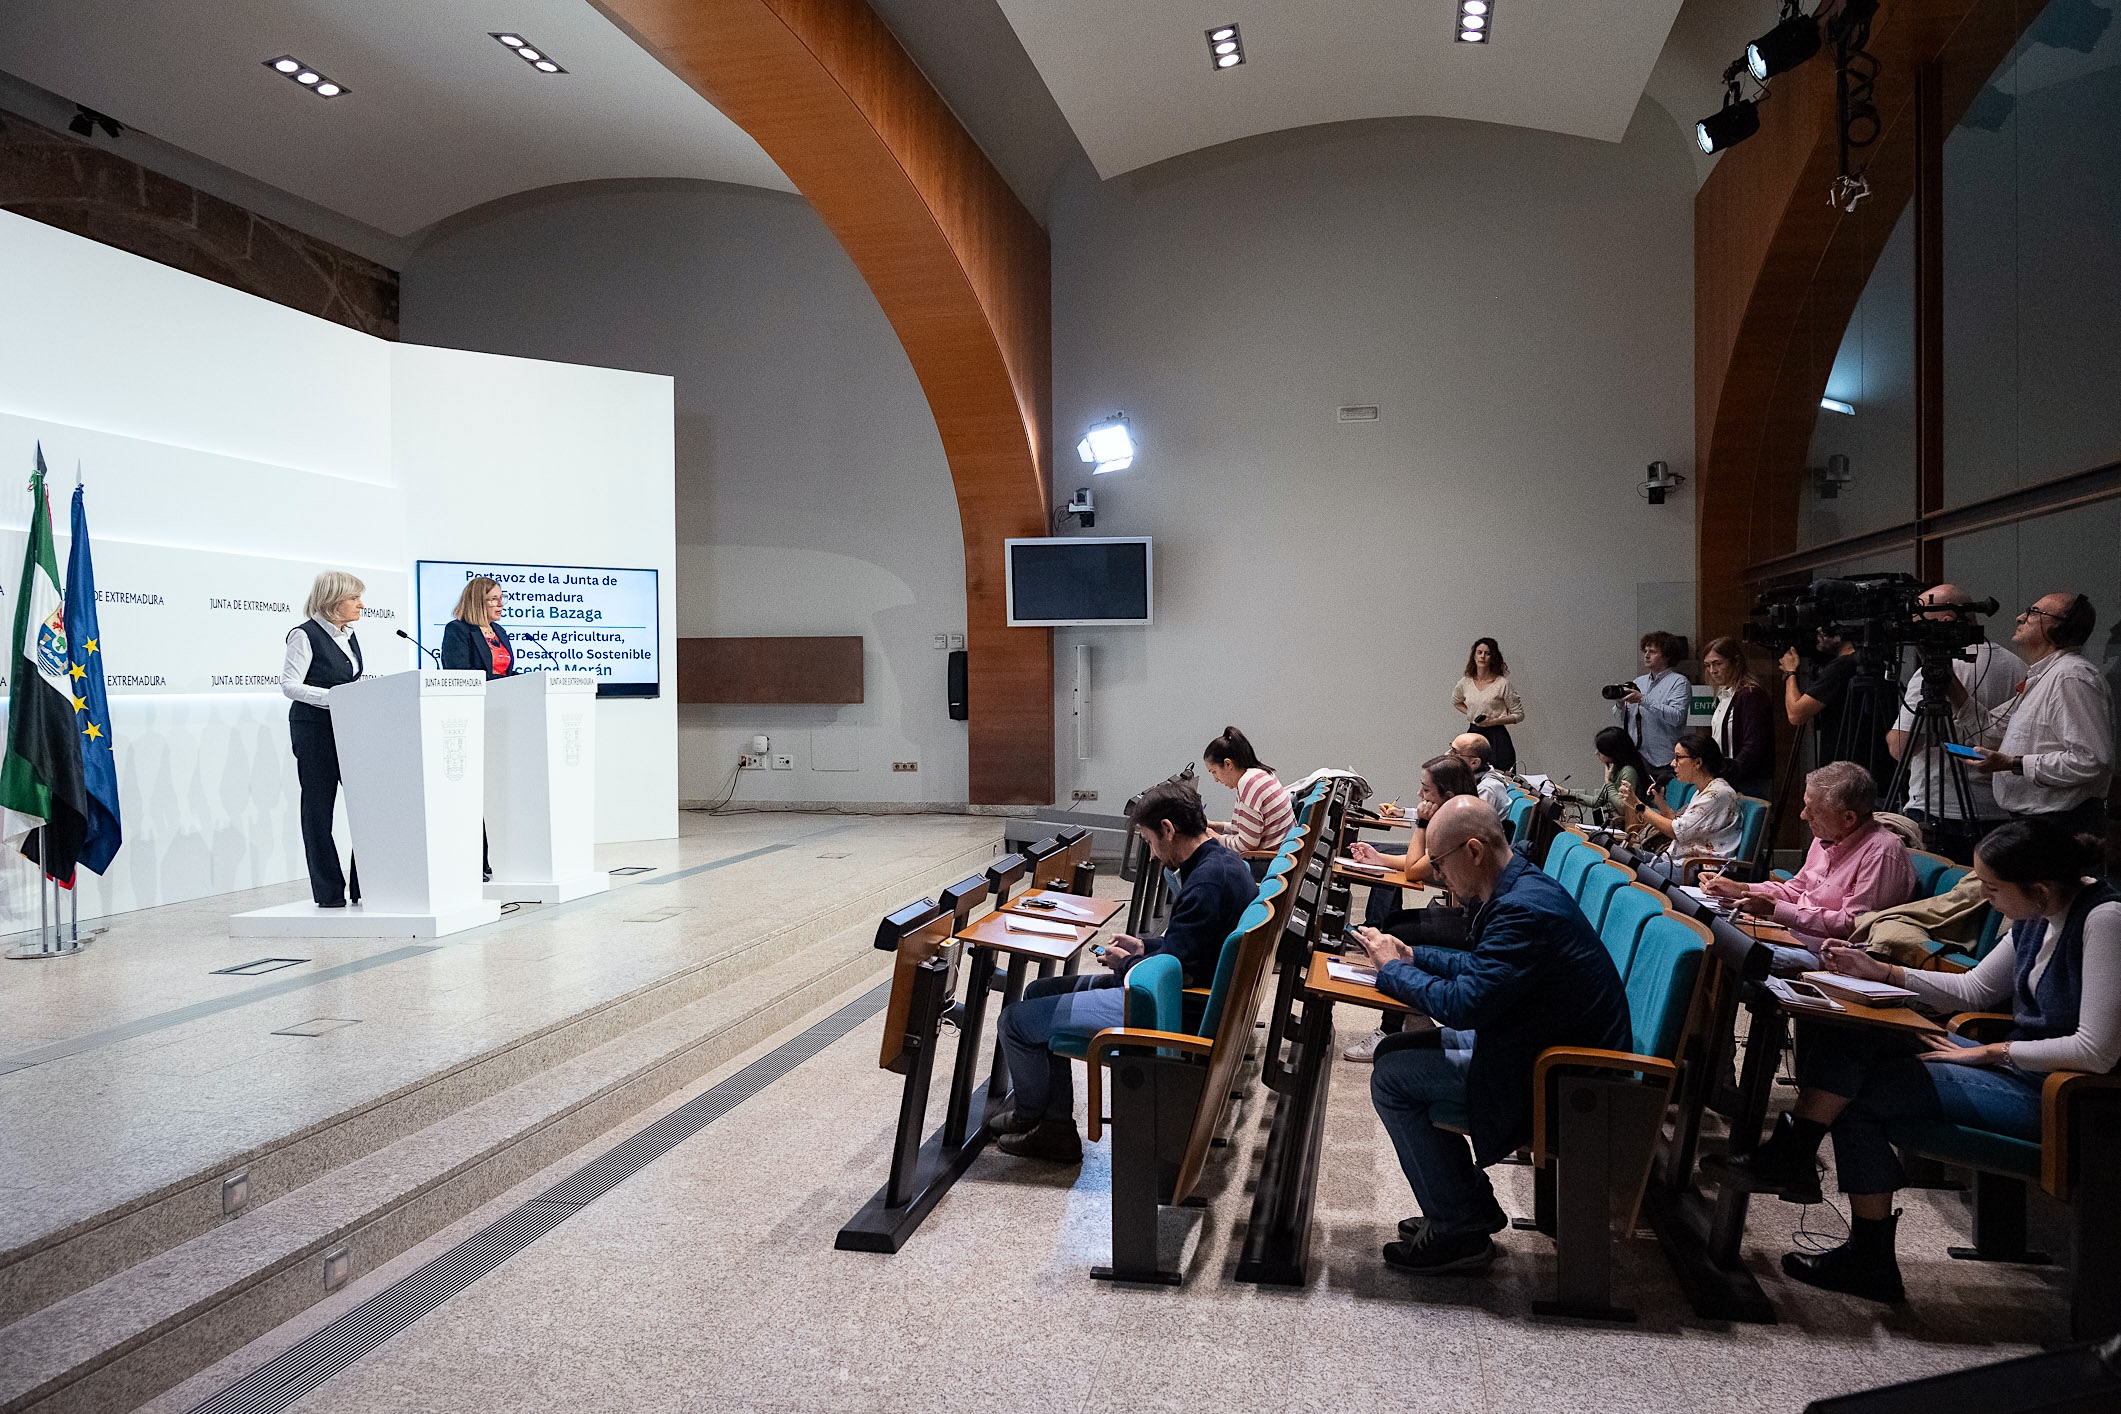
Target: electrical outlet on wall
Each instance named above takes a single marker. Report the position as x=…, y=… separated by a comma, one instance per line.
x=784, y=763
x=905, y=765
x=751, y=762
x=1083, y=795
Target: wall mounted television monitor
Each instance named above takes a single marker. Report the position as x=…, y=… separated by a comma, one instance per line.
x=1079, y=580
x=560, y=618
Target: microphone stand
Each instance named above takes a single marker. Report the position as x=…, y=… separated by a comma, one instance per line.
x=430, y=652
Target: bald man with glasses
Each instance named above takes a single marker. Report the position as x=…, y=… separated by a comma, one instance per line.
x=2056, y=759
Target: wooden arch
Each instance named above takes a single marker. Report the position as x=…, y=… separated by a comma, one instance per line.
x=1778, y=271
x=961, y=270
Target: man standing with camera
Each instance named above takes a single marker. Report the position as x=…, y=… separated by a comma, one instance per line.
x=1850, y=726
x=2057, y=755
x=1980, y=688
x=1652, y=709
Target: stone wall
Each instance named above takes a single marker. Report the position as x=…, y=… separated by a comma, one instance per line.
x=83, y=187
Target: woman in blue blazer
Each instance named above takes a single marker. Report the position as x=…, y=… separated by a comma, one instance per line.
x=474, y=640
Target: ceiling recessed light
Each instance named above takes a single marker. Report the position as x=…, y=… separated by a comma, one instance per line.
x=1226, y=32
x=1474, y=7
x=1474, y=22
x=1226, y=47
x=288, y=66
x=1475, y=19
x=528, y=53
x=1471, y=36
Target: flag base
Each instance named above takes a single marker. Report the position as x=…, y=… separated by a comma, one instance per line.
x=558, y=891
x=306, y=920
x=37, y=952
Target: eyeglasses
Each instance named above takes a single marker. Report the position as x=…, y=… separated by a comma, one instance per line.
x=2029, y=610
x=1436, y=860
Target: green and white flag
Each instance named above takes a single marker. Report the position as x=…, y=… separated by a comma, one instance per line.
x=40, y=775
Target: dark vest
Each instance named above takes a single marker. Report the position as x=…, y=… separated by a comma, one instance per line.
x=2051, y=1010
x=328, y=668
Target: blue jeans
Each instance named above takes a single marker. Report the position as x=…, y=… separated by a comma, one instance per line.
x=1045, y=1083
x=1881, y=1075
x=1406, y=1081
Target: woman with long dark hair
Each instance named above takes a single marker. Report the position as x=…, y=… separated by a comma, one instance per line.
x=1264, y=812
x=1710, y=825
x=2058, y=973
x=1624, y=767
x=1489, y=704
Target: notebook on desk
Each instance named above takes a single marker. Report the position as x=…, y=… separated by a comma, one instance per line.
x=1038, y=927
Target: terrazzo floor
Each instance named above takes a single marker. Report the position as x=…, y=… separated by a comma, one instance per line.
x=708, y=1281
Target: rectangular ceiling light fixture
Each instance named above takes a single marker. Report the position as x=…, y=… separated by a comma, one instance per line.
x=529, y=53
x=1476, y=21
x=307, y=77
x=1226, y=47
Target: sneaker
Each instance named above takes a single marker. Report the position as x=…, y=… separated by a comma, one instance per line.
x=1434, y=1254
x=1365, y=1050
x=1410, y=1229
x=1054, y=1140
x=1780, y=1166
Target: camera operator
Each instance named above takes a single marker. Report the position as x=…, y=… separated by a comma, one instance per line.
x=1979, y=688
x=1826, y=700
x=2056, y=759
x=1653, y=709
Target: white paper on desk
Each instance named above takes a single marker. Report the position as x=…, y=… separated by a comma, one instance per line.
x=1068, y=910
x=1349, y=972
x=1857, y=987
x=1039, y=926
x=1702, y=896
x=1540, y=784
x=1342, y=861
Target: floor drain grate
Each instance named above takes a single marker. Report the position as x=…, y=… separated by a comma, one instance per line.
x=258, y=967
x=633, y=869
x=318, y=1026
x=278, y=1383
x=661, y=915
x=841, y=854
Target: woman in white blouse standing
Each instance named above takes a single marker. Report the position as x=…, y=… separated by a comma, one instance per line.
x=1489, y=704
x=1711, y=824
x=2059, y=973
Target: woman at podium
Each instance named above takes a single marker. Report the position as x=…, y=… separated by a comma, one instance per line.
x=474, y=640
x=322, y=653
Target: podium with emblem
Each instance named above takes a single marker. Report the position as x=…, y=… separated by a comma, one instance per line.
x=412, y=756
x=541, y=787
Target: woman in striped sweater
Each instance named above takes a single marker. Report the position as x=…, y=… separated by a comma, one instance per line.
x=1264, y=814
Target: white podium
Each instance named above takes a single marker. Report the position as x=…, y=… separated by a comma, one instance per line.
x=541, y=787
x=412, y=758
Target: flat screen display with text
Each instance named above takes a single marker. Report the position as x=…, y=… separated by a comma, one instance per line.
x=560, y=618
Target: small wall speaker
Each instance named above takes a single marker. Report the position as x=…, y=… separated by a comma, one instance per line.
x=959, y=705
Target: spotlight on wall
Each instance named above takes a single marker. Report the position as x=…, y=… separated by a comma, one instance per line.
x=1794, y=39
x=87, y=120
x=529, y=53
x=1836, y=405
x=305, y=76
x=1737, y=120
x=1476, y=21
x=1661, y=478
x=1107, y=446
x=1829, y=479
x=1226, y=47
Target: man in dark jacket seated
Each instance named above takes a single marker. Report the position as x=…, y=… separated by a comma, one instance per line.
x=1534, y=975
x=1214, y=887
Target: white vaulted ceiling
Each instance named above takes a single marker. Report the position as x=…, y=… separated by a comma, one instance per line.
x=438, y=116
x=1135, y=82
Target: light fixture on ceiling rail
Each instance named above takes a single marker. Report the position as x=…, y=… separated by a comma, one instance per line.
x=1108, y=446
x=87, y=120
x=1226, y=47
x=1476, y=21
x=307, y=76
x=1836, y=405
x=1794, y=39
x=1737, y=120
x=529, y=53
x=1855, y=78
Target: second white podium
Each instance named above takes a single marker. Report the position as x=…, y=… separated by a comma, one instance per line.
x=541, y=787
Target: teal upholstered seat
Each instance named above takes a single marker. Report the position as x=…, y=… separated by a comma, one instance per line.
x=1677, y=794
x=1451, y=1114
x=1625, y=915
x=1155, y=1002
x=1258, y=912
x=1949, y=879
x=1968, y=1148
x=1575, y=866
x=1660, y=984
x=1566, y=843
x=1752, y=820
x=1928, y=869
x=1520, y=813
x=1597, y=887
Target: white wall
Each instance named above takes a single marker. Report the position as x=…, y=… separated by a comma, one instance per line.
x=813, y=496
x=1518, y=304
x=213, y=424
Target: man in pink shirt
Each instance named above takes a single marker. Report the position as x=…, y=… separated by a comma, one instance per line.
x=1855, y=865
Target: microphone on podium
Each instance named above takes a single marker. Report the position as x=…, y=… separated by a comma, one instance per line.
x=432, y=653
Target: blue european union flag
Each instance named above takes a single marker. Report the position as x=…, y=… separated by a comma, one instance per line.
x=84, y=637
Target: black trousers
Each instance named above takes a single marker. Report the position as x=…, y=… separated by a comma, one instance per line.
x=1502, y=752
x=317, y=769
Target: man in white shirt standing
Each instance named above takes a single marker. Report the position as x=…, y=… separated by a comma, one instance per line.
x=1653, y=710
x=1981, y=688
x=2056, y=758
x=1475, y=749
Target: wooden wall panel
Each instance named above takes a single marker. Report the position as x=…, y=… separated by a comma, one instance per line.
x=961, y=270
x=1778, y=271
x=794, y=670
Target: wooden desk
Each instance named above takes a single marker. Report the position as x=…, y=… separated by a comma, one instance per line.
x=1321, y=983
x=1382, y=822
x=1893, y=1018
x=993, y=932
x=1074, y=908
x=1391, y=879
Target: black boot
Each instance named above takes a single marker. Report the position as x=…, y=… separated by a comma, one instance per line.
x=1786, y=1164
x=1862, y=1266
x=1054, y=1140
